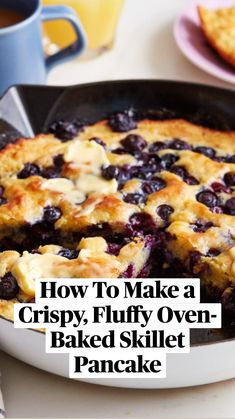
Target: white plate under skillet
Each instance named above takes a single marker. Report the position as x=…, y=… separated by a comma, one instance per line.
x=192, y=42
x=208, y=362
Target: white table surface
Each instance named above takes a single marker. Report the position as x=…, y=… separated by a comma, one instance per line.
x=144, y=48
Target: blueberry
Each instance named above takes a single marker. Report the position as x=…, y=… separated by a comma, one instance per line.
x=122, y=121
x=230, y=206
x=142, y=157
x=200, y=227
x=207, y=198
x=149, y=241
x=182, y=172
x=124, y=174
x=168, y=160
x=110, y=172
x=177, y=144
x=68, y=253
x=157, y=146
x=114, y=249
x=119, y=151
x=98, y=141
x=134, y=198
x=142, y=172
x=153, y=185
x=164, y=211
x=217, y=210
x=52, y=214
x=207, y=151
x=3, y=200
x=190, y=180
x=229, y=179
x=66, y=130
x=50, y=173
x=129, y=272
x=134, y=143
x=29, y=169
x=152, y=160
x=220, y=159
x=179, y=171
x=58, y=160
x=140, y=222
x=230, y=159
x=219, y=188
x=8, y=287
x=213, y=253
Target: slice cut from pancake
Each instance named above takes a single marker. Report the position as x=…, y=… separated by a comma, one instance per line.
x=219, y=29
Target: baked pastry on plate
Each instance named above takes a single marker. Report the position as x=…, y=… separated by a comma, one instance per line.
x=219, y=29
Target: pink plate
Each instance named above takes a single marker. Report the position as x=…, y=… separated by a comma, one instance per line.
x=190, y=40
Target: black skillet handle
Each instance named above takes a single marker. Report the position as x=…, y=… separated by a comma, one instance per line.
x=24, y=109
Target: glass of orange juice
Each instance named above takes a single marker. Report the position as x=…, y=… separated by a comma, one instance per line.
x=98, y=17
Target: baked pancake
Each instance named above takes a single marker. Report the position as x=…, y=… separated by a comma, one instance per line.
x=120, y=198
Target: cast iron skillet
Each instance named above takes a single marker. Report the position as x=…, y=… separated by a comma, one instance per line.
x=28, y=110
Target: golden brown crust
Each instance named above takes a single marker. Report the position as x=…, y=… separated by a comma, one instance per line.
x=93, y=261
x=13, y=156
x=218, y=28
x=156, y=130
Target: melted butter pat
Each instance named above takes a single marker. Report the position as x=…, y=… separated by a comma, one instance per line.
x=30, y=267
x=87, y=155
x=75, y=197
x=66, y=187
x=88, y=183
x=58, y=185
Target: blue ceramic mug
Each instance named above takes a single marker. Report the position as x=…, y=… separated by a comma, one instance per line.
x=22, y=59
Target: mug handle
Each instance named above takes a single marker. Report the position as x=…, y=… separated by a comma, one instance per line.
x=65, y=13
